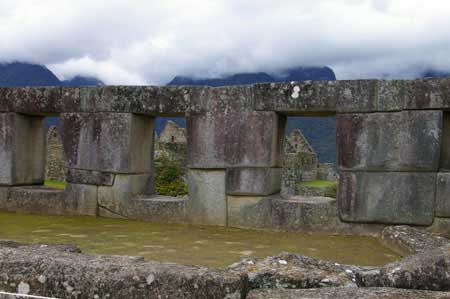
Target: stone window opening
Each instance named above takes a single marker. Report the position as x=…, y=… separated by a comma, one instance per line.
x=54, y=153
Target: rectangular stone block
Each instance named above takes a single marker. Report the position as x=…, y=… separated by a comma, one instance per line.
x=89, y=177
x=207, y=197
x=387, y=197
x=249, y=211
x=430, y=93
x=108, y=142
x=81, y=199
x=5, y=105
x=234, y=139
x=116, y=198
x=36, y=100
x=406, y=141
x=22, y=149
x=158, y=208
x=297, y=97
x=253, y=181
x=443, y=194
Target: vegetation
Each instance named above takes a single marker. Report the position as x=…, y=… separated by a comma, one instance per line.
x=318, y=183
x=169, y=177
x=55, y=184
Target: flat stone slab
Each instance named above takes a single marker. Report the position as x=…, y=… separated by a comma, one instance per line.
x=346, y=293
x=48, y=271
x=409, y=240
x=294, y=271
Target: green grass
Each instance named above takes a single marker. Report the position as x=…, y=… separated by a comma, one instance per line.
x=55, y=184
x=318, y=183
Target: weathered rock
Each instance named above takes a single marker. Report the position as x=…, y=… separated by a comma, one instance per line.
x=116, y=198
x=158, y=208
x=249, y=211
x=428, y=270
x=234, y=139
x=427, y=93
x=22, y=149
x=253, y=181
x=89, y=177
x=108, y=142
x=346, y=293
x=36, y=100
x=207, y=197
x=292, y=271
x=441, y=226
x=387, y=197
x=81, y=199
x=298, y=213
x=399, y=141
x=47, y=271
x=442, y=205
x=409, y=240
x=34, y=199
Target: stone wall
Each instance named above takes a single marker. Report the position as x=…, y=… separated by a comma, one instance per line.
x=54, y=166
x=391, y=148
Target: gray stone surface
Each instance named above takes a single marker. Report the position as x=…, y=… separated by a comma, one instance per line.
x=81, y=199
x=427, y=93
x=49, y=271
x=116, y=198
x=249, y=211
x=234, y=139
x=298, y=213
x=158, y=208
x=37, y=100
x=387, y=197
x=442, y=207
x=22, y=149
x=35, y=200
x=409, y=240
x=399, y=141
x=253, y=181
x=293, y=271
x=428, y=270
x=89, y=177
x=207, y=197
x=346, y=293
x=109, y=142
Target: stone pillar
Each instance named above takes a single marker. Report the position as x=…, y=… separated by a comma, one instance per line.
x=233, y=149
x=22, y=149
x=388, y=164
x=108, y=159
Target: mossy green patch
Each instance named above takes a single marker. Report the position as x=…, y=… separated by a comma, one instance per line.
x=55, y=184
x=318, y=183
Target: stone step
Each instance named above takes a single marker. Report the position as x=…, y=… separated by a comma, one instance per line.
x=158, y=208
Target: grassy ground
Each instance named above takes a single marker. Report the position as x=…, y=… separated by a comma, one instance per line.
x=55, y=184
x=318, y=183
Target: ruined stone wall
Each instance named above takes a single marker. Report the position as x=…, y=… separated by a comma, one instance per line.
x=392, y=148
x=54, y=166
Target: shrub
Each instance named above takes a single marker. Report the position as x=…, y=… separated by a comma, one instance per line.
x=169, y=177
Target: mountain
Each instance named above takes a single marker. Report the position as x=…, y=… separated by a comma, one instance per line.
x=434, y=74
x=18, y=74
x=320, y=131
x=292, y=74
x=82, y=81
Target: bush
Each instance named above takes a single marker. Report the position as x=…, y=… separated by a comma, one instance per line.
x=169, y=177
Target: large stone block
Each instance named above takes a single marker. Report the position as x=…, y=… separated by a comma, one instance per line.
x=22, y=149
x=5, y=105
x=36, y=100
x=443, y=194
x=297, y=97
x=387, y=197
x=249, y=211
x=430, y=93
x=298, y=213
x=207, y=197
x=116, y=198
x=108, y=142
x=234, y=139
x=407, y=141
x=89, y=177
x=81, y=199
x=253, y=181
x=158, y=208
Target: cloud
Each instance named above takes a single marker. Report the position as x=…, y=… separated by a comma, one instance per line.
x=149, y=42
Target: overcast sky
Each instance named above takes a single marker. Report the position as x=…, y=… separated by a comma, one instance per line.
x=151, y=41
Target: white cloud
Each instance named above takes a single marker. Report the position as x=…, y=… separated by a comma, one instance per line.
x=149, y=42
